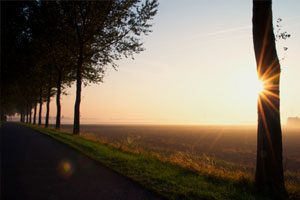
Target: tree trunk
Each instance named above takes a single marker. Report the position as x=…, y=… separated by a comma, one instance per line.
x=30, y=114
x=58, y=106
x=34, y=113
x=48, y=107
x=269, y=170
x=76, y=126
x=22, y=117
x=27, y=114
x=40, y=110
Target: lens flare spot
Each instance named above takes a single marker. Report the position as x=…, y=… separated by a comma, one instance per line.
x=65, y=169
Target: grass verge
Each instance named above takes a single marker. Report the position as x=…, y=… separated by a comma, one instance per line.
x=164, y=178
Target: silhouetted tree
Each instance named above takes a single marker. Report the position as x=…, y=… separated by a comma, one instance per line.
x=34, y=111
x=46, y=25
x=100, y=32
x=49, y=93
x=73, y=39
x=56, y=55
x=20, y=76
x=13, y=37
x=269, y=169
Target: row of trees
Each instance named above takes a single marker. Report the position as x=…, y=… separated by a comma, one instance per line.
x=48, y=45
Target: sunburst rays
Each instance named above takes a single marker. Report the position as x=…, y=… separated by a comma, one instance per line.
x=267, y=98
x=269, y=74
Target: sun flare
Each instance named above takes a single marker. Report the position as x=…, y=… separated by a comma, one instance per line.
x=259, y=87
x=249, y=87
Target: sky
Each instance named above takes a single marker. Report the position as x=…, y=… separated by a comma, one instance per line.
x=198, y=68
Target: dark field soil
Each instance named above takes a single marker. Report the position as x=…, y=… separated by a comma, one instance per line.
x=230, y=143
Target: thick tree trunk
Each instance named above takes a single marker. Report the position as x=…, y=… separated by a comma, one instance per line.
x=269, y=169
x=34, y=112
x=41, y=105
x=48, y=108
x=58, y=106
x=76, y=126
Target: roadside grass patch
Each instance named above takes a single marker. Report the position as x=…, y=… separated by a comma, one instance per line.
x=170, y=178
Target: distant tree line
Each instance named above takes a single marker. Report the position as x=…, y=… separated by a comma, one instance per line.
x=48, y=45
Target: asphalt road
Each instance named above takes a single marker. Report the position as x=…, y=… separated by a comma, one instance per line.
x=34, y=166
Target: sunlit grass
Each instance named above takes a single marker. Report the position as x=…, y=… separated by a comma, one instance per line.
x=172, y=174
x=203, y=164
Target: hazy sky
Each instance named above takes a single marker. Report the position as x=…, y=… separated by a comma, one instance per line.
x=198, y=68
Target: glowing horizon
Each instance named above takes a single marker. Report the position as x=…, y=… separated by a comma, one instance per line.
x=198, y=68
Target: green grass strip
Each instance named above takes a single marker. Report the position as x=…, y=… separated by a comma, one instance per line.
x=165, y=179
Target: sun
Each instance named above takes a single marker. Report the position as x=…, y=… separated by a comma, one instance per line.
x=249, y=87
x=259, y=86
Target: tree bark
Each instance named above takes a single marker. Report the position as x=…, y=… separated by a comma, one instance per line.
x=40, y=110
x=48, y=107
x=34, y=112
x=269, y=169
x=58, y=106
x=76, y=126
